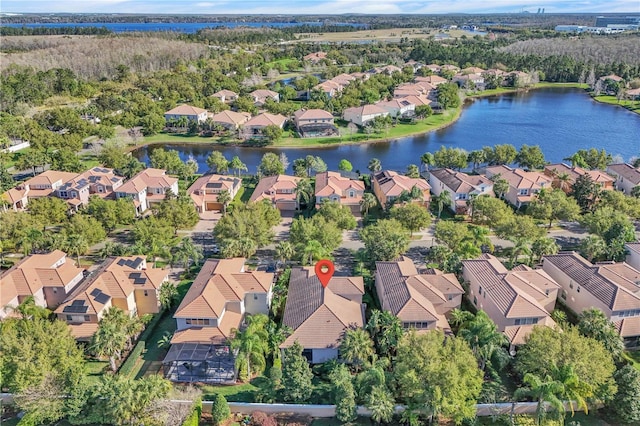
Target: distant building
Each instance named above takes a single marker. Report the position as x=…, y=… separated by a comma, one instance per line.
x=627, y=176
x=523, y=185
x=364, y=114
x=147, y=187
x=192, y=113
x=555, y=171
x=253, y=128
x=460, y=186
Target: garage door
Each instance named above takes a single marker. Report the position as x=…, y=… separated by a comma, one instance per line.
x=213, y=206
x=286, y=205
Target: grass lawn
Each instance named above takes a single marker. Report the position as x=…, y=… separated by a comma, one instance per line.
x=633, y=106
x=634, y=358
x=151, y=359
x=95, y=369
x=244, y=392
x=363, y=421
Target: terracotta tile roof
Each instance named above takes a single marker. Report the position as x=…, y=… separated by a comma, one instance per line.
x=50, y=177
x=218, y=282
x=208, y=187
x=366, y=110
x=13, y=195
x=417, y=100
x=392, y=183
x=628, y=327
x=83, y=331
x=8, y=292
x=626, y=171
x=575, y=172
x=231, y=118
x=519, y=178
x=414, y=297
x=473, y=70
x=268, y=188
x=41, y=270
x=615, y=285
x=517, y=334
x=459, y=182
x=318, y=316
x=395, y=103
x=611, y=77
x=431, y=79
x=330, y=183
x=314, y=57
x=264, y=93
x=185, y=110
x=148, y=178
x=210, y=335
x=513, y=292
x=265, y=119
x=312, y=114
x=225, y=93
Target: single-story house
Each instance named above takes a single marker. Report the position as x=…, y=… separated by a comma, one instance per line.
x=398, y=107
x=260, y=96
x=314, y=122
x=192, y=113
x=363, y=114
x=231, y=120
x=226, y=96
x=253, y=128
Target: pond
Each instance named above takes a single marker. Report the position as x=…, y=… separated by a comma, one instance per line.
x=559, y=120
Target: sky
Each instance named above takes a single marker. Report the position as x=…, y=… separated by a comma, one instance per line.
x=292, y=7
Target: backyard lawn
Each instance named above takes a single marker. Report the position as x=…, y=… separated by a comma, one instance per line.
x=244, y=392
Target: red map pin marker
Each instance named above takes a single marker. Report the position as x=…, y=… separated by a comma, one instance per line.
x=324, y=271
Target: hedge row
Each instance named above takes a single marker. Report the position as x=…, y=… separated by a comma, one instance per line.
x=194, y=417
x=127, y=366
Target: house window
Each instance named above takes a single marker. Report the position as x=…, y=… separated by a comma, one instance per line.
x=64, y=194
x=449, y=297
x=526, y=321
x=480, y=290
x=74, y=194
x=69, y=318
x=475, y=300
x=546, y=292
x=198, y=321
x=86, y=318
x=146, y=293
x=255, y=297
x=523, y=192
x=55, y=290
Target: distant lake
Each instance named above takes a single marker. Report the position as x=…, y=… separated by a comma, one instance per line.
x=559, y=120
x=181, y=27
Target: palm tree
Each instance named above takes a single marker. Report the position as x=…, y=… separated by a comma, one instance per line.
x=304, y=192
x=477, y=157
x=247, y=247
x=356, y=347
x=479, y=236
x=224, y=198
x=29, y=310
x=520, y=246
x=500, y=185
x=427, y=160
x=313, y=250
x=368, y=202
x=546, y=392
x=167, y=295
x=374, y=165
x=251, y=345
x=576, y=160
x=284, y=251
x=483, y=337
x=381, y=403
x=110, y=339
x=237, y=165
x=564, y=181
x=76, y=244
x=441, y=200
x=460, y=317
x=575, y=390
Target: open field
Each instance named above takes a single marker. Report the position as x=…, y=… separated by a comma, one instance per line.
x=392, y=35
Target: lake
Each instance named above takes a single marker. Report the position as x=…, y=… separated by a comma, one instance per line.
x=181, y=27
x=559, y=120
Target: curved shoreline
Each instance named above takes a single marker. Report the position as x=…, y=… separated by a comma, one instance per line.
x=457, y=113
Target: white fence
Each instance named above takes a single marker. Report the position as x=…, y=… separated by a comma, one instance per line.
x=16, y=147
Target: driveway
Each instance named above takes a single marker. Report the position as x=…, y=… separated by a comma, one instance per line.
x=282, y=229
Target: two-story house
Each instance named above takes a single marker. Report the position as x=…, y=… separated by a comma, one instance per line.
x=230, y=120
x=515, y=300
x=96, y=181
x=205, y=191
x=434, y=80
x=226, y=96
x=565, y=176
x=523, y=185
x=147, y=187
x=280, y=190
x=420, y=301
x=363, y=114
x=398, y=107
x=191, y=113
x=314, y=123
x=124, y=282
x=633, y=255
x=388, y=186
x=215, y=305
x=261, y=96
x=254, y=127
x=329, y=88
x=614, y=288
x=42, y=185
x=627, y=176
x=460, y=186
x=48, y=278
x=319, y=316
x=333, y=187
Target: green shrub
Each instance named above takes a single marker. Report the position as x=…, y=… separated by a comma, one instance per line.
x=220, y=409
x=127, y=366
x=196, y=413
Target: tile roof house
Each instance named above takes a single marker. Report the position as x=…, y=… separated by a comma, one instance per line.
x=418, y=100
x=49, y=278
x=398, y=107
x=205, y=190
x=363, y=114
x=216, y=303
x=434, y=80
x=190, y=112
x=314, y=122
x=99, y=181
x=420, y=301
x=627, y=176
x=388, y=185
x=225, y=95
x=320, y=316
x=332, y=186
x=515, y=300
x=555, y=170
x=523, y=185
x=464, y=80
x=253, y=128
x=230, y=120
x=261, y=96
x=460, y=186
x=633, y=255
x=614, y=288
x=329, y=87
x=147, y=187
x=315, y=57
x=343, y=79
x=124, y=282
x=280, y=190
x=42, y=185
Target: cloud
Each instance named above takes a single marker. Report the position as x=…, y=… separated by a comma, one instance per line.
x=296, y=7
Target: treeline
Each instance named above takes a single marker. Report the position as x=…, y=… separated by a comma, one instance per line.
x=558, y=67
x=70, y=30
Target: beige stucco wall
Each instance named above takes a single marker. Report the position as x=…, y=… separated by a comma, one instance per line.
x=146, y=304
